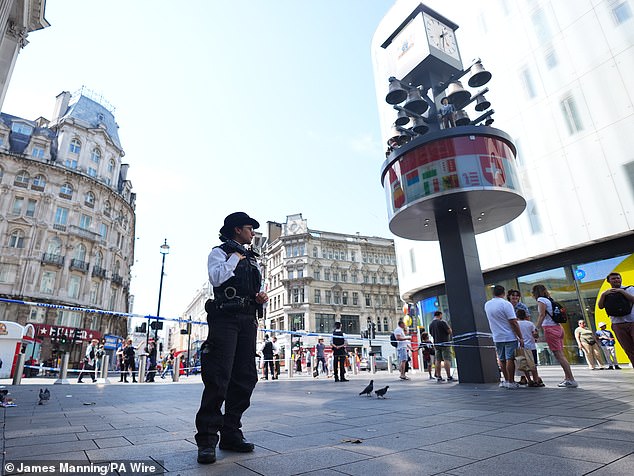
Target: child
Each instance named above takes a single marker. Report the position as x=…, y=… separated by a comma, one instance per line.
x=529, y=333
x=428, y=351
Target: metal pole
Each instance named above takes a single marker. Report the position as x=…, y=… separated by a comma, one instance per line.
x=158, y=309
x=19, y=368
x=189, y=338
x=63, y=371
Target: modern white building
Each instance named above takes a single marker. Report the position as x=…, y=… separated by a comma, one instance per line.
x=67, y=223
x=562, y=90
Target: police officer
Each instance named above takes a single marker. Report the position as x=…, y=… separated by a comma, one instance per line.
x=228, y=354
x=339, y=352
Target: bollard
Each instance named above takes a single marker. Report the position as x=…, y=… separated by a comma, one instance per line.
x=289, y=366
x=142, y=367
x=19, y=369
x=102, y=378
x=63, y=371
x=176, y=369
x=421, y=365
x=389, y=364
x=373, y=363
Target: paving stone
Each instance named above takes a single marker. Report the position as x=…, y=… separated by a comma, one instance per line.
x=40, y=440
x=25, y=452
x=620, y=467
x=587, y=449
x=531, y=432
x=477, y=446
x=111, y=442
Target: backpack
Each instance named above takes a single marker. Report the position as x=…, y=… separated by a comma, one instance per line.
x=393, y=341
x=617, y=305
x=559, y=314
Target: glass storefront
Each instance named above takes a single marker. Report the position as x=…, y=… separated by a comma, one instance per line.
x=577, y=287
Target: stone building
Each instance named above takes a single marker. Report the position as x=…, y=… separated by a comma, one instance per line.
x=315, y=278
x=66, y=223
x=18, y=18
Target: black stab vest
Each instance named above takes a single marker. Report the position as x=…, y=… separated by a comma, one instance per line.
x=247, y=278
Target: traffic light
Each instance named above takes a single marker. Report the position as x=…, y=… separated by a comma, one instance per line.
x=142, y=328
x=373, y=331
x=63, y=339
x=156, y=325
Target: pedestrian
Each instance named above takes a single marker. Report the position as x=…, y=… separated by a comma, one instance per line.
x=514, y=297
x=339, y=352
x=151, y=352
x=607, y=346
x=298, y=361
x=447, y=113
x=441, y=333
x=618, y=303
x=529, y=334
x=267, y=350
x=507, y=335
x=89, y=360
x=428, y=351
x=169, y=364
x=553, y=333
x=276, y=357
x=228, y=355
x=320, y=352
x=401, y=350
x=588, y=345
x=129, y=361
x=119, y=356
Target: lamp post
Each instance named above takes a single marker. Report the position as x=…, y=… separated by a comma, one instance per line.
x=189, y=339
x=165, y=249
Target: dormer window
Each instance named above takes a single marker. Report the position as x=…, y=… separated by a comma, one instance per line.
x=75, y=146
x=20, y=128
x=111, y=166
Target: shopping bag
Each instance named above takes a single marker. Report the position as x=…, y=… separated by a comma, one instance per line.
x=524, y=360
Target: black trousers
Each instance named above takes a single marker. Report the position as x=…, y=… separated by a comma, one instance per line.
x=85, y=369
x=268, y=364
x=339, y=366
x=229, y=374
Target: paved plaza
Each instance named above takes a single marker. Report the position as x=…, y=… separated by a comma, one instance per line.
x=308, y=426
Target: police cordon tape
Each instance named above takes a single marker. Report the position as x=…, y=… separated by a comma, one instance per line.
x=458, y=338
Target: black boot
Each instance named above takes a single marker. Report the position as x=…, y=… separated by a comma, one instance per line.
x=206, y=455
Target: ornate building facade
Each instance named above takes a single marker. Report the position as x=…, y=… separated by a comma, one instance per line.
x=17, y=19
x=315, y=278
x=67, y=223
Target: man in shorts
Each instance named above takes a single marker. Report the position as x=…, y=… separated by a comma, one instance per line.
x=507, y=334
x=401, y=349
x=441, y=333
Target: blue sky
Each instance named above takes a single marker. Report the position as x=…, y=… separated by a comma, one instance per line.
x=262, y=106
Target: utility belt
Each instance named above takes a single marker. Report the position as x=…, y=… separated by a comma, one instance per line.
x=229, y=301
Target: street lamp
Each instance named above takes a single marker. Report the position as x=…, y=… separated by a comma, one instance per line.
x=165, y=249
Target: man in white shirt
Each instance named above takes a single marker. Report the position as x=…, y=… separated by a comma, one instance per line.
x=401, y=350
x=506, y=334
x=622, y=322
x=89, y=361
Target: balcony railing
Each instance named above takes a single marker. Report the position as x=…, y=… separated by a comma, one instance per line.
x=59, y=227
x=91, y=235
x=98, y=272
x=78, y=264
x=49, y=258
x=116, y=279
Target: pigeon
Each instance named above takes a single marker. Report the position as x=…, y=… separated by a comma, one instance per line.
x=45, y=396
x=368, y=390
x=380, y=393
x=3, y=394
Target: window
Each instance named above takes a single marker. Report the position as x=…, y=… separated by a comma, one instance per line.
x=66, y=191
x=30, y=207
x=298, y=295
x=107, y=208
x=296, y=321
x=571, y=116
x=326, y=275
x=16, y=209
x=23, y=129
x=68, y=319
x=103, y=230
x=527, y=83
x=335, y=276
x=315, y=252
x=550, y=57
x=337, y=296
x=622, y=12
x=47, y=282
x=344, y=298
x=75, y=147
x=317, y=275
x=22, y=179
x=61, y=216
x=374, y=279
x=344, y=276
x=385, y=324
x=85, y=221
x=300, y=273
x=290, y=274
x=95, y=155
x=89, y=199
x=533, y=216
x=80, y=252
x=540, y=23
x=368, y=299
x=350, y=324
x=16, y=239
x=354, y=277
x=324, y=322
x=98, y=259
x=92, y=171
x=328, y=297
x=366, y=279
x=352, y=256
x=54, y=246
x=74, y=283
x=111, y=166
x=317, y=296
x=355, y=299
x=37, y=152
x=71, y=163
x=37, y=315
x=8, y=273
x=39, y=182
x=94, y=292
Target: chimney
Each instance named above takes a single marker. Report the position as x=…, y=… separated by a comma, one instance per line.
x=61, y=105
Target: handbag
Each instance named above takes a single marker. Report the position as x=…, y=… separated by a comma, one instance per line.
x=524, y=360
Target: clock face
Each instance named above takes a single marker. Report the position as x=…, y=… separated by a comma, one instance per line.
x=441, y=37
